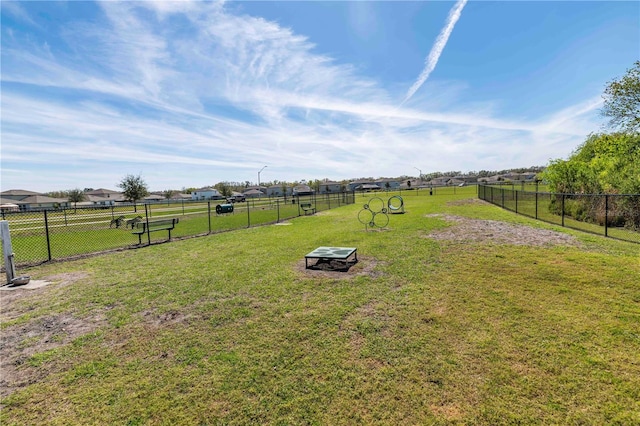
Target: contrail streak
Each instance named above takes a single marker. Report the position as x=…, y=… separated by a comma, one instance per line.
x=438, y=47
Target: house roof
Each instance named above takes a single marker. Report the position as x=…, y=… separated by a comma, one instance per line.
x=96, y=198
x=41, y=199
x=7, y=201
x=180, y=196
x=154, y=197
x=101, y=192
x=19, y=192
x=367, y=186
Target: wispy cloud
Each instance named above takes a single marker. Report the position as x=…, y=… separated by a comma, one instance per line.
x=227, y=95
x=436, y=50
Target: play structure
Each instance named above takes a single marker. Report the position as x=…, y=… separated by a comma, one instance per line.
x=375, y=214
x=395, y=205
x=224, y=208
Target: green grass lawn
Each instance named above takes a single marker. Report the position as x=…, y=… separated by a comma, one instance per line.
x=230, y=328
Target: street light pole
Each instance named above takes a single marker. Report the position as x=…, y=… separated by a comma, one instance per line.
x=259, y=175
x=420, y=173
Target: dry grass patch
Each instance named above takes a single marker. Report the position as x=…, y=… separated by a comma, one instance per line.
x=464, y=229
x=366, y=267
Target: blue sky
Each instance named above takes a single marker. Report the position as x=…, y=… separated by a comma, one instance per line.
x=188, y=94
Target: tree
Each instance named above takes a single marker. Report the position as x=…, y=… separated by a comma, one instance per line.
x=169, y=193
x=622, y=101
x=75, y=196
x=223, y=188
x=603, y=164
x=134, y=188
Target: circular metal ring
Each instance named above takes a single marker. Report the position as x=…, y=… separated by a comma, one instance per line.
x=381, y=220
x=391, y=205
x=376, y=202
x=365, y=216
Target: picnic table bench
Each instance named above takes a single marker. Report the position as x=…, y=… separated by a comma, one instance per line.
x=332, y=253
x=307, y=207
x=153, y=226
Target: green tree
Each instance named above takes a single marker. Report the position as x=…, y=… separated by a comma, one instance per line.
x=622, y=101
x=223, y=188
x=168, y=193
x=75, y=196
x=604, y=163
x=134, y=188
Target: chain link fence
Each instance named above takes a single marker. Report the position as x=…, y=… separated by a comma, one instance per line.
x=611, y=215
x=41, y=236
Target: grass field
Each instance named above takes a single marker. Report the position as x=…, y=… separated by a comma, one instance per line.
x=231, y=329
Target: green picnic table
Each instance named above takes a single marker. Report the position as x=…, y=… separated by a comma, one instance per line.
x=331, y=253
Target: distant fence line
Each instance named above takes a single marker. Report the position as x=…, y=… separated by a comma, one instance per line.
x=611, y=215
x=47, y=235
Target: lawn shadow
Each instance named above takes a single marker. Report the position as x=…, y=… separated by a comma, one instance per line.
x=332, y=265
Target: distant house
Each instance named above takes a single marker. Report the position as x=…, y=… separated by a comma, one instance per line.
x=330, y=187
x=441, y=181
x=356, y=183
x=253, y=193
x=277, y=191
x=366, y=187
x=42, y=202
x=106, y=193
x=466, y=179
x=390, y=184
x=180, y=196
x=8, y=205
x=154, y=198
x=206, y=194
x=95, y=201
x=302, y=189
x=17, y=194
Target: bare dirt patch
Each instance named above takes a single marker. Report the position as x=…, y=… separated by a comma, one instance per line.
x=22, y=341
x=464, y=229
x=10, y=309
x=164, y=319
x=469, y=202
x=19, y=343
x=366, y=266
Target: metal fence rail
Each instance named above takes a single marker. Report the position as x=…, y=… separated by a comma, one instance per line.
x=41, y=236
x=611, y=215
